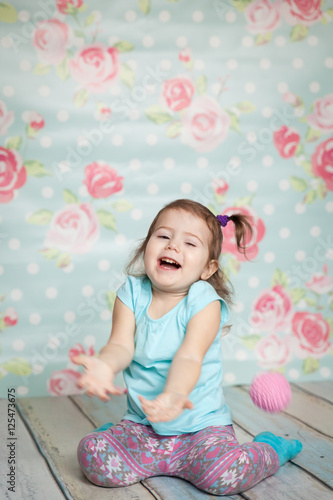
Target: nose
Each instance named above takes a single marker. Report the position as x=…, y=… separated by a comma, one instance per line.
x=172, y=245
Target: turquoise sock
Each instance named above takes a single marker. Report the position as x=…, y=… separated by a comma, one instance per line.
x=104, y=427
x=285, y=448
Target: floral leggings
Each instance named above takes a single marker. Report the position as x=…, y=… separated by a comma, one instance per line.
x=211, y=459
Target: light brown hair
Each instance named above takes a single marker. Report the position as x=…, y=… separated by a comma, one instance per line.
x=219, y=280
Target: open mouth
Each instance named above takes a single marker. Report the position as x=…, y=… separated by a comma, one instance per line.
x=169, y=264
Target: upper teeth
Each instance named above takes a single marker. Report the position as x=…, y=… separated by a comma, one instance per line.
x=169, y=260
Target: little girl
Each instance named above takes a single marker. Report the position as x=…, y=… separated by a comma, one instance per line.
x=166, y=336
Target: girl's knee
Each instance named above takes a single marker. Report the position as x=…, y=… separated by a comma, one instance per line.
x=91, y=463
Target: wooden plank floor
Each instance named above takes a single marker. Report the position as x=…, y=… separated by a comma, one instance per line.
x=49, y=429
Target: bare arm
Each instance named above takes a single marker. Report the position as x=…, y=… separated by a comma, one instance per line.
x=186, y=366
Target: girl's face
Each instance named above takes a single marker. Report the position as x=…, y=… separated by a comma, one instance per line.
x=176, y=255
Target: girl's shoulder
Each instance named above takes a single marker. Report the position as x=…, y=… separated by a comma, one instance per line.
x=202, y=293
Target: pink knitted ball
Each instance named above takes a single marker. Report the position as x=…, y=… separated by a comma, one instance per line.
x=270, y=392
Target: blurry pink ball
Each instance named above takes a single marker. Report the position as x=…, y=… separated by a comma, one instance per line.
x=270, y=392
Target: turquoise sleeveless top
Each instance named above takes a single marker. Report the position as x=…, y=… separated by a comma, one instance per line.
x=156, y=343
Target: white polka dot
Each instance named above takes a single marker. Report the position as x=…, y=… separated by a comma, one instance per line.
x=300, y=208
x=329, y=254
x=251, y=137
x=16, y=294
x=132, y=63
x=152, y=188
x=135, y=164
x=37, y=369
x=265, y=63
x=169, y=163
x=89, y=340
x=22, y=390
x=47, y=192
x=312, y=40
x=44, y=91
x=214, y=41
x=130, y=16
x=267, y=161
x=25, y=65
x=23, y=16
x=35, y=318
x=247, y=41
x=325, y=372
x=8, y=91
x=151, y=139
x=51, y=292
x=133, y=114
x=14, y=244
x=186, y=187
x=181, y=41
x=69, y=316
x=53, y=342
x=229, y=377
x=302, y=305
x=148, y=41
x=269, y=209
x=250, y=87
x=329, y=207
x=267, y=112
x=165, y=64
x=120, y=239
x=164, y=16
x=33, y=268
x=269, y=257
x=63, y=115
x=293, y=374
x=117, y=140
x=105, y=315
x=235, y=161
x=284, y=232
x=202, y=162
x=45, y=141
x=104, y=265
x=284, y=184
x=87, y=291
x=238, y=306
x=314, y=87
x=216, y=88
x=280, y=41
x=282, y=87
x=18, y=345
x=83, y=191
x=115, y=89
x=241, y=355
x=300, y=255
x=329, y=62
x=113, y=39
x=298, y=63
x=252, y=186
x=230, y=16
x=197, y=16
x=136, y=214
x=6, y=42
x=232, y=64
x=315, y=231
x=1, y=270
x=253, y=282
x=199, y=64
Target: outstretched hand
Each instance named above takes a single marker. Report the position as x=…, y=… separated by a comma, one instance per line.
x=165, y=407
x=97, y=380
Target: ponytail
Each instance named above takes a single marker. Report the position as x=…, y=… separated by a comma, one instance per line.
x=243, y=231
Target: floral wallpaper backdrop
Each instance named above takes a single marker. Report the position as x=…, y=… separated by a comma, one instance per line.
x=109, y=110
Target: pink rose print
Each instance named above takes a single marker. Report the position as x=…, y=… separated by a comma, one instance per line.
x=185, y=55
x=322, y=161
x=13, y=174
x=273, y=351
x=272, y=310
x=305, y=12
x=63, y=383
x=64, y=6
x=205, y=124
x=6, y=118
x=322, y=118
x=320, y=283
x=220, y=186
x=102, y=112
x=310, y=335
x=95, y=67
x=292, y=99
x=229, y=240
x=74, y=229
x=262, y=17
x=79, y=349
x=35, y=123
x=286, y=141
x=177, y=93
x=102, y=180
x=10, y=317
x=51, y=39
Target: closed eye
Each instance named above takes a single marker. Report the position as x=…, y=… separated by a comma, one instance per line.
x=165, y=237
x=191, y=244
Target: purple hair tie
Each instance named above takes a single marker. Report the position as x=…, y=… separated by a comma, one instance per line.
x=223, y=219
